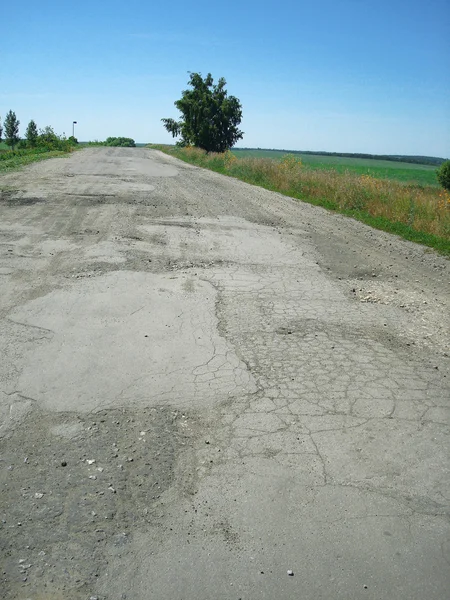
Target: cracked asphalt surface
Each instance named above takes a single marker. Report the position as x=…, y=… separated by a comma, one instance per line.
x=205, y=385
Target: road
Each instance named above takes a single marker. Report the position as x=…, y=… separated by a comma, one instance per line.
x=205, y=385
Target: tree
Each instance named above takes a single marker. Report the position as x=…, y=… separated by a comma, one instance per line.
x=443, y=175
x=210, y=117
x=11, y=129
x=32, y=133
x=1, y=131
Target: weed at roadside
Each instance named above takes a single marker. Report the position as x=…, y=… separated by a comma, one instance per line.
x=22, y=158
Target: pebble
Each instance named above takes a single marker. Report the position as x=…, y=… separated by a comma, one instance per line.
x=90, y=461
x=290, y=573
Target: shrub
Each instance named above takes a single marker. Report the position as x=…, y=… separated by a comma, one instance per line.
x=94, y=143
x=49, y=140
x=120, y=141
x=443, y=175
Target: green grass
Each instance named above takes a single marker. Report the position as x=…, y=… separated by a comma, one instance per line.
x=27, y=157
x=380, y=169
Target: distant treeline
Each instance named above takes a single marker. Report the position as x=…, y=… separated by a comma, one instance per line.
x=419, y=160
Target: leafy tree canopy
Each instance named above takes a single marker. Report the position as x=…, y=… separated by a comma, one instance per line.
x=210, y=117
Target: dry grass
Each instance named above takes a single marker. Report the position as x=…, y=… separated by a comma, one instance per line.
x=413, y=208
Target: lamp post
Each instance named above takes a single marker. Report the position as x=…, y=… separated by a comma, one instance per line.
x=73, y=128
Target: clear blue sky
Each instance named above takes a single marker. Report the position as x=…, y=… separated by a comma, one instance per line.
x=335, y=75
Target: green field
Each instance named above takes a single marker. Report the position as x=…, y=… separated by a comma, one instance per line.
x=380, y=169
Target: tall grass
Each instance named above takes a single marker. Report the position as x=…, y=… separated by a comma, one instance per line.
x=418, y=213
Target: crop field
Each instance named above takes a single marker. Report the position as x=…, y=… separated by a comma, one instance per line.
x=380, y=169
